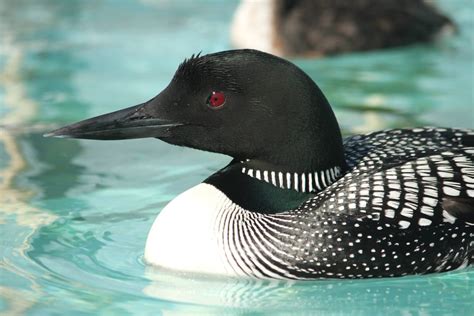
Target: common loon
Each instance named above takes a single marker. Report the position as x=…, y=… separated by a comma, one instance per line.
x=297, y=201
x=326, y=27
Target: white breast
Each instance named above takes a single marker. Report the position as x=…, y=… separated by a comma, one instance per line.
x=185, y=235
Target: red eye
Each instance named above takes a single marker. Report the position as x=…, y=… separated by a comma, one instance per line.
x=216, y=99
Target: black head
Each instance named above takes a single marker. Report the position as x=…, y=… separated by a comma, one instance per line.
x=243, y=103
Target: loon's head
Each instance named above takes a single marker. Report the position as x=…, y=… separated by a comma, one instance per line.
x=243, y=103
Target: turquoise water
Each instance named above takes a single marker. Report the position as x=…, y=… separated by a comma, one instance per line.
x=74, y=215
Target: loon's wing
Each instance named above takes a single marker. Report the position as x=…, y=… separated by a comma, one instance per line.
x=461, y=207
x=409, y=177
x=403, y=207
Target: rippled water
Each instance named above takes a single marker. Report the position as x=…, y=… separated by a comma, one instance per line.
x=74, y=215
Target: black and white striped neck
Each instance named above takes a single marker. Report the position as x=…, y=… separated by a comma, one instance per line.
x=264, y=188
x=307, y=182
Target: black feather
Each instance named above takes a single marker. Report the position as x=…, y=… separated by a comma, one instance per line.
x=461, y=208
x=467, y=140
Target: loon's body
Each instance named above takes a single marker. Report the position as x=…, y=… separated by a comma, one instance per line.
x=298, y=202
x=383, y=218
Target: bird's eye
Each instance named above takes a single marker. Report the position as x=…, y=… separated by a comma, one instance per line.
x=216, y=100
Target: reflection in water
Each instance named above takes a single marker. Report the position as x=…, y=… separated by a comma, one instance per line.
x=27, y=36
x=16, y=304
x=378, y=296
x=372, y=118
x=20, y=110
x=21, y=220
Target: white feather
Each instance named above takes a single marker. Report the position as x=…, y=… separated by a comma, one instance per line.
x=185, y=236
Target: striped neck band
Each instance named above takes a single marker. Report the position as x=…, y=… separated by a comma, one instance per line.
x=301, y=182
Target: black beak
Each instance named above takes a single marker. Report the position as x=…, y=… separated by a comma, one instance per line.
x=133, y=122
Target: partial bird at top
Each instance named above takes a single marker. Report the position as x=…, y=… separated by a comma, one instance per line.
x=328, y=27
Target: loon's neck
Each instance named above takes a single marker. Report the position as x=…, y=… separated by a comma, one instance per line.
x=265, y=188
x=309, y=180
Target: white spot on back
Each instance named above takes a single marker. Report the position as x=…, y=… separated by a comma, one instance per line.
x=448, y=217
x=404, y=224
x=450, y=191
x=424, y=222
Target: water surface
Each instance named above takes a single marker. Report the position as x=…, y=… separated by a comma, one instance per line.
x=74, y=215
